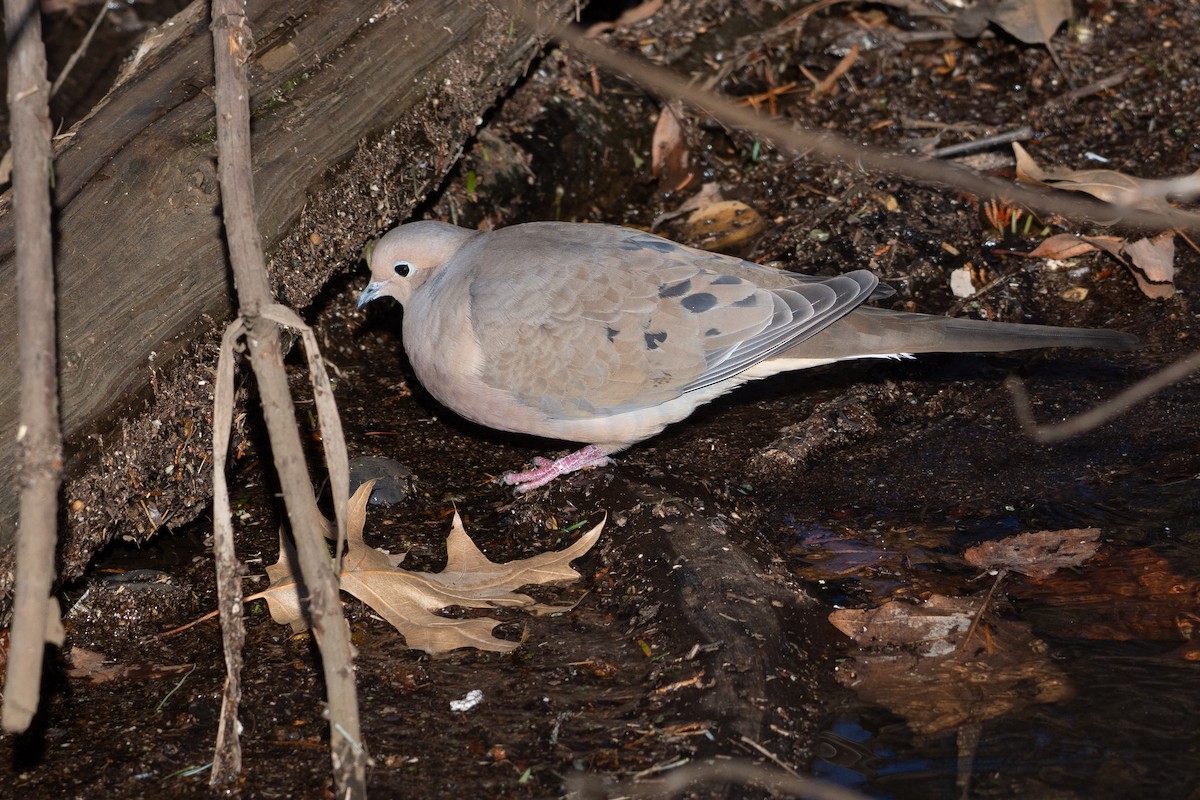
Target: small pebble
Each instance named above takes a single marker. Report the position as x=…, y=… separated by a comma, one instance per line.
x=961, y=284
x=393, y=480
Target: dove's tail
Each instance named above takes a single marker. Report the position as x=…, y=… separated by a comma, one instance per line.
x=867, y=332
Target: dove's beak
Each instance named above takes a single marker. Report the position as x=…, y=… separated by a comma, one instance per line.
x=371, y=292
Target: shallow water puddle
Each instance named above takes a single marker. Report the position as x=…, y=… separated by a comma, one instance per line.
x=1081, y=683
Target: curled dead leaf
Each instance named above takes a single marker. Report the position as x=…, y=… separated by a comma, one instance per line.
x=1154, y=265
x=1065, y=245
x=1150, y=261
x=669, y=154
x=1031, y=21
x=1108, y=185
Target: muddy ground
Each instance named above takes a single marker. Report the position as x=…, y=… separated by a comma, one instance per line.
x=701, y=632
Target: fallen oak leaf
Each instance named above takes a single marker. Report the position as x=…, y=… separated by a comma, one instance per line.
x=407, y=599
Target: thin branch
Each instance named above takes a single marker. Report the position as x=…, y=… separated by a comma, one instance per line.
x=1094, y=418
x=227, y=758
x=722, y=772
x=39, y=436
x=232, y=48
x=984, y=143
x=79, y=51
x=983, y=607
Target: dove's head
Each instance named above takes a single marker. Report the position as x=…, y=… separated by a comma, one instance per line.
x=404, y=258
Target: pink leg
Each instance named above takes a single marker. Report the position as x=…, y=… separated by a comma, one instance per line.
x=547, y=470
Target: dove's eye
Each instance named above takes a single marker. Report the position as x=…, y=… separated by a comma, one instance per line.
x=402, y=269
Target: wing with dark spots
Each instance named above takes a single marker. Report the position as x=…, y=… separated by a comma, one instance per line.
x=596, y=319
x=798, y=314
x=677, y=289
x=699, y=302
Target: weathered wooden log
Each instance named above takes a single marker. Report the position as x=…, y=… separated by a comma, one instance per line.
x=360, y=108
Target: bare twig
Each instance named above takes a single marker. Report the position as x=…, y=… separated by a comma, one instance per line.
x=983, y=607
x=79, y=51
x=1094, y=418
x=233, y=45
x=984, y=143
x=1107, y=82
x=774, y=759
x=227, y=758
x=39, y=436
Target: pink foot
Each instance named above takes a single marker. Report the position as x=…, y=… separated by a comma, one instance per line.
x=547, y=470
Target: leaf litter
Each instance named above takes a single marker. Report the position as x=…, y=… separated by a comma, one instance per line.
x=941, y=664
x=919, y=661
x=1151, y=261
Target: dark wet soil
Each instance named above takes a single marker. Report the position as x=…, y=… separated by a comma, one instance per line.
x=701, y=630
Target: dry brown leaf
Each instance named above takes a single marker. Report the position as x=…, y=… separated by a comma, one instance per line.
x=911, y=661
x=1113, y=245
x=407, y=599
x=1154, y=260
x=1031, y=21
x=1039, y=554
x=709, y=193
x=1066, y=245
x=724, y=225
x=670, y=158
x=1106, y=184
x=668, y=149
x=95, y=667
x=931, y=628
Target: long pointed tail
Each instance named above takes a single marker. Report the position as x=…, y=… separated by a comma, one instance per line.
x=878, y=332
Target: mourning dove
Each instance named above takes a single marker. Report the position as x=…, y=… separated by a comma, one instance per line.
x=605, y=335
